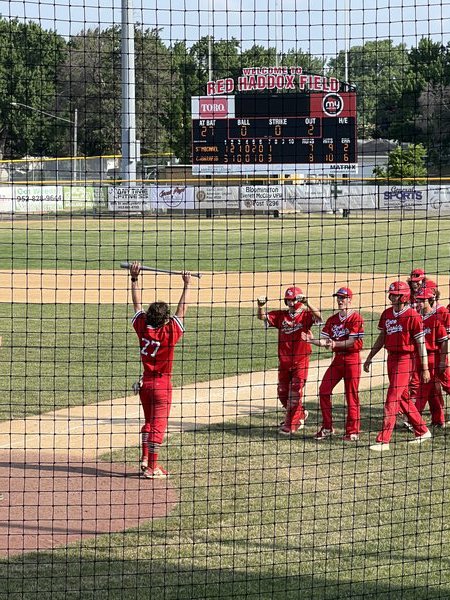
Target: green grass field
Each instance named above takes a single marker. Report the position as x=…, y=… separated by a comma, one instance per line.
x=82, y=354
x=262, y=517
x=265, y=244
x=259, y=517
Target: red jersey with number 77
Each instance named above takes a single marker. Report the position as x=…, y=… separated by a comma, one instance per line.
x=157, y=344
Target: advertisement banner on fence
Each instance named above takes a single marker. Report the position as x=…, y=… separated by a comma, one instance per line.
x=6, y=199
x=261, y=197
x=396, y=197
x=356, y=197
x=78, y=197
x=308, y=198
x=216, y=197
x=38, y=199
x=174, y=197
x=129, y=199
x=439, y=200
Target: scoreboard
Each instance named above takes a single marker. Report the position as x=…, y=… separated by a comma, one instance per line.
x=285, y=133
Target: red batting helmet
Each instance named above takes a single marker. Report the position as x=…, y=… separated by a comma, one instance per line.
x=417, y=275
x=296, y=294
x=400, y=288
x=426, y=293
x=431, y=285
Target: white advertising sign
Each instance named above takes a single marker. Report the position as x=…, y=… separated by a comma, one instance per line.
x=38, y=199
x=174, y=197
x=308, y=198
x=6, y=199
x=217, y=197
x=439, y=200
x=402, y=197
x=129, y=199
x=261, y=197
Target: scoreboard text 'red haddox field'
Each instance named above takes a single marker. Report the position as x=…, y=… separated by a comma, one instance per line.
x=311, y=132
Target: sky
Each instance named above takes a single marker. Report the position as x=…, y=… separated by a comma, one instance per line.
x=316, y=26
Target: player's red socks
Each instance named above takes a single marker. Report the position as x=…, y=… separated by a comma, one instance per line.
x=152, y=460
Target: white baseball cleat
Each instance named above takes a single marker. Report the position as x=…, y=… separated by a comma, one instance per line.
x=379, y=447
x=421, y=438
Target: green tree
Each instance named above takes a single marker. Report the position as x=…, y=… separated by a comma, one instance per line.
x=29, y=59
x=406, y=166
x=373, y=68
x=90, y=79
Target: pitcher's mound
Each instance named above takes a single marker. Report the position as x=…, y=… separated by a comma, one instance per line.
x=49, y=502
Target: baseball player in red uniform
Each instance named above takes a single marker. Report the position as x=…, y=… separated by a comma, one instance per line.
x=343, y=333
x=293, y=353
x=158, y=334
x=436, y=342
x=416, y=282
x=443, y=375
x=401, y=332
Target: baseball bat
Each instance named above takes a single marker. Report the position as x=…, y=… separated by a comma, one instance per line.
x=126, y=265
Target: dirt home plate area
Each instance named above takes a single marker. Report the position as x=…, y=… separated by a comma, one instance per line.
x=47, y=500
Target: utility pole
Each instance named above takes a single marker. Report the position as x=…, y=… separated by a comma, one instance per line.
x=128, y=138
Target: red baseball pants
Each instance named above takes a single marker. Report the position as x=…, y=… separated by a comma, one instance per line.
x=290, y=391
x=156, y=400
x=429, y=392
x=348, y=368
x=400, y=367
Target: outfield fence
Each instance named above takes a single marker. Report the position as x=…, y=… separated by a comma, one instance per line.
x=318, y=198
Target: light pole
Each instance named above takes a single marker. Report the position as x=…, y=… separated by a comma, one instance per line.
x=347, y=39
x=128, y=85
x=73, y=122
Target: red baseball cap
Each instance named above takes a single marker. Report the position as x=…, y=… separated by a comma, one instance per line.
x=417, y=275
x=344, y=292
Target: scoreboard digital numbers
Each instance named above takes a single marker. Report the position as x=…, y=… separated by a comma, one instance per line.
x=285, y=133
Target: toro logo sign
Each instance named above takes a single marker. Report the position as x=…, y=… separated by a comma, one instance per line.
x=213, y=108
x=332, y=105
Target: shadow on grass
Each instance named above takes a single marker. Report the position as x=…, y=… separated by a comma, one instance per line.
x=73, y=578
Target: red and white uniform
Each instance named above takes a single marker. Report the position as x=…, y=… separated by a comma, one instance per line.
x=157, y=350
x=346, y=365
x=401, y=330
x=444, y=378
x=293, y=356
x=435, y=335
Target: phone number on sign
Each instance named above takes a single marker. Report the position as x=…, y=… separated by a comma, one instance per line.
x=39, y=198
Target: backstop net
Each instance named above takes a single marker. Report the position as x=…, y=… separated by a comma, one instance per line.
x=223, y=299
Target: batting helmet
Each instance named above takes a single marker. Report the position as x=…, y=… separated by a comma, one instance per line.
x=431, y=285
x=426, y=293
x=400, y=288
x=417, y=275
x=296, y=294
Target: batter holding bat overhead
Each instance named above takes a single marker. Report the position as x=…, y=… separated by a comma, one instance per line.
x=158, y=334
x=293, y=353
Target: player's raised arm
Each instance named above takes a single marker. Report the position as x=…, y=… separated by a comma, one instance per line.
x=135, y=269
x=315, y=311
x=184, y=298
